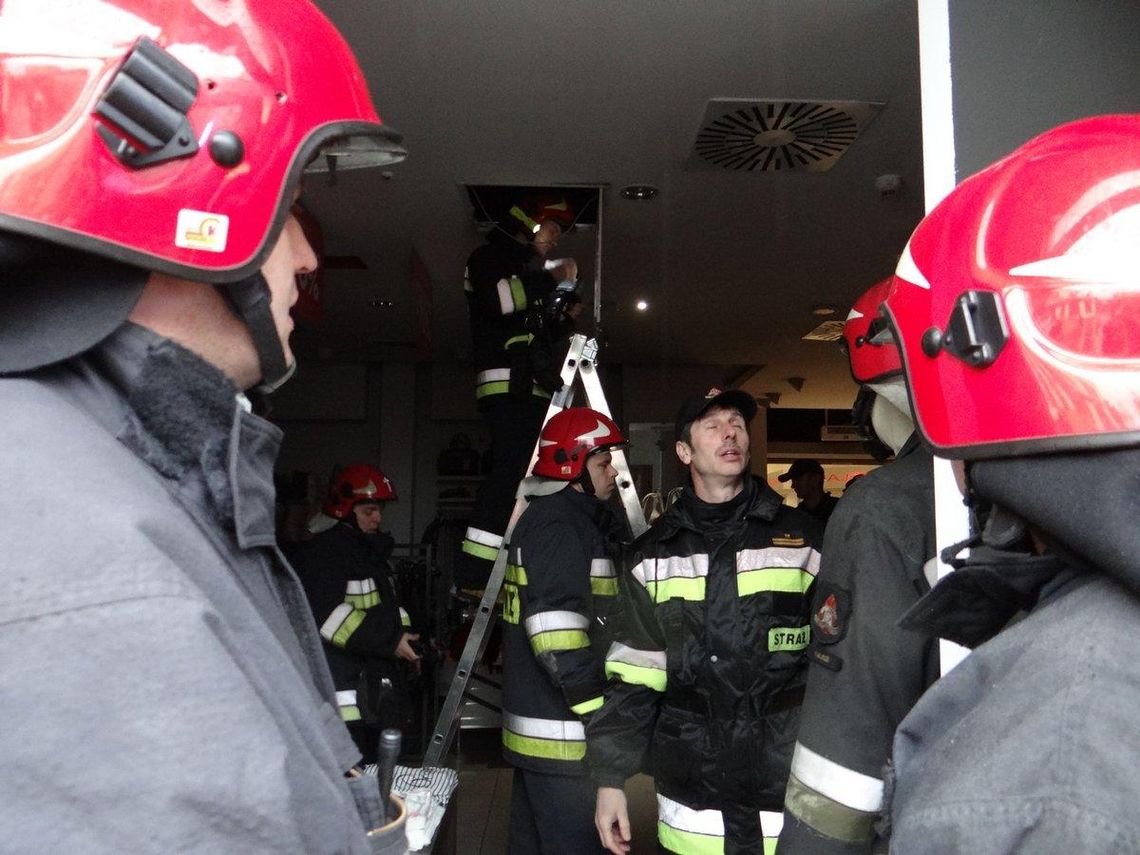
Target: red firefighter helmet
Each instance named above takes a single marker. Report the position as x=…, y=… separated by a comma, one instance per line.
x=867, y=339
x=170, y=135
x=1016, y=304
x=354, y=484
x=533, y=211
x=569, y=438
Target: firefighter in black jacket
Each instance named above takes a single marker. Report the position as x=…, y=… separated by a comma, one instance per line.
x=559, y=580
x=865, y=671
x=708, y=665
x=344, y=570
x=515, y=307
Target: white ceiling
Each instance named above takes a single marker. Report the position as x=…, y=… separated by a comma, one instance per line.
x=613, y=92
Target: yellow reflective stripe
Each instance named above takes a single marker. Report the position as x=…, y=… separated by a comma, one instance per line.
x=637, y=675
x=405, y=618
x=363, y=601
x=351, y=713
x=515, y=573
x=547, y=749
x=678, y=586
x=504, y=386
x=526, y=338
x=348, y=626
x=603, y=587
x=518, y=293
x=769, y=580
x=559, y=639
x=587, y=706
x=690, y=842
x=479, y=550
x=782, y=639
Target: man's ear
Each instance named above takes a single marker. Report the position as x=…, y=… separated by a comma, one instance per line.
x=684, y=452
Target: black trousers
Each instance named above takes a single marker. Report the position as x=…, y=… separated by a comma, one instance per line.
x=514, y=425
x=552, y=815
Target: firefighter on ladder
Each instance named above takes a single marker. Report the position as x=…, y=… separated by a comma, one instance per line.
x=516, y=310
x=559, y=580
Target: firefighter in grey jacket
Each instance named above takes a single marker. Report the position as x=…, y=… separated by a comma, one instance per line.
x=865, y=671
x=559, y=583
x=708, y=665
x=155, y=642
x=1014, y=307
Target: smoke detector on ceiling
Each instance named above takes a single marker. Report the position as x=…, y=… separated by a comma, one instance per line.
x=778, y=135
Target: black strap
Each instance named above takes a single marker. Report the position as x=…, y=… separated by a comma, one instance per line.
x=250, y=299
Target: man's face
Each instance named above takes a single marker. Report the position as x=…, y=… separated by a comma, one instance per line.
x=368, y=515
x=602, y=474
x=546, y=238
x=808, y=485
x=290, y=256
x=718, y=447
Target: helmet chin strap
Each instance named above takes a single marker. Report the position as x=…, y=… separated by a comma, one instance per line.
x=250, y=299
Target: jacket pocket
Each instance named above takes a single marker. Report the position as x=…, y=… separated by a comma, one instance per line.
x=679, y=742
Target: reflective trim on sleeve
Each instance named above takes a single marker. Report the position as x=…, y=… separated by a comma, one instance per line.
x=486, y=538
x=604, y=587
x=518, y=294
x=479, y=550
x=637, y=667
x=362, y=593
x=341, y=624
x=548, y=739
x=491, y=375
x=554, y=631
x=515, y=573
x=587, y=706
x=846, y=786
x=603, y=578
x=506, y=297
x=405, y=618
x=346, y=703
x=826, y=817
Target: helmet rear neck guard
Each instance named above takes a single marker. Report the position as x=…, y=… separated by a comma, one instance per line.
x=1015, y=302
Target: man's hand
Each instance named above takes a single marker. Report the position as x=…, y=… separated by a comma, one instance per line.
x=404, y=648
x=612, y=820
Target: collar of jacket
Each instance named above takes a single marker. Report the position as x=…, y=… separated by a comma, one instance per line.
x=185, y=419
x=762, y=503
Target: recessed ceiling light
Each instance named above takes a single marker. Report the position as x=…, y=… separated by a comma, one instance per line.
x=641, y=305
x=823, y=311
x=639, y=192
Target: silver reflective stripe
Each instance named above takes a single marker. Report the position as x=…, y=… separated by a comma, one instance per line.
x=333, y=621
x=491, y=375
x=802, y=558
x=551, y=621
x=850, y=788
x=678, y=816
x=506, y=298
x=710, y=822
x=673, y=567
x=618, y=652
x=361, y=586
x=543, y=728
x=602, y=568
x=346, y=699
x=486, y=538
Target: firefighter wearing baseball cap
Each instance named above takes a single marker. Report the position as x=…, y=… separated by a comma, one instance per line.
x=807, y=482
x=1015, y=309
x=559, y=581
x=150, y=155
x=865, y=672
x=515, y=308
x=708, y=666
x=367, y=633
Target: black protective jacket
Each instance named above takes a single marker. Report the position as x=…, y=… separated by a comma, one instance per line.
x=866, y=672
x=560, y=580
x=513, y=343
x=708, y=668
x=346, y=577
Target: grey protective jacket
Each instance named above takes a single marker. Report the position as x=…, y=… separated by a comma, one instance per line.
x=1032, y=743
x=163, y=686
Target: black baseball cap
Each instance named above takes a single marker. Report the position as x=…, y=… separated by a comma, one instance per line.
x=800, y=467
x=695, y=407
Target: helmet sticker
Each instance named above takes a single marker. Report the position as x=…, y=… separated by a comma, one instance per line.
x=201, y=230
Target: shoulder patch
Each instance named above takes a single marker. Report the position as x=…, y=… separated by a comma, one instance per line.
x=832, y=614
x=787, y=540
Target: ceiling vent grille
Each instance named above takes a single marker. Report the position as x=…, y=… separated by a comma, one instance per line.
x=778, y=136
